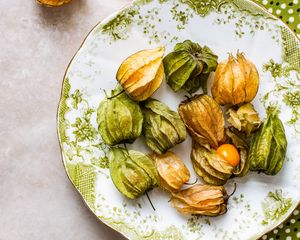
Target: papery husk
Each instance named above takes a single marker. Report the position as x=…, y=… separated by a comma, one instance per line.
x=171, y=170
x=244, y=119
x=204, y=120
x=162, y=128
x=133, y=173
x=142, y=73
x=268, y=145
x=243, y=167
x=236, y=81
x=210, y=166
x=200, y=199
x=188, y=66
x=119, y=119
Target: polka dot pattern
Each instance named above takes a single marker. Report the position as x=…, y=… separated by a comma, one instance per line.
x=289, y=230
x=287, y=10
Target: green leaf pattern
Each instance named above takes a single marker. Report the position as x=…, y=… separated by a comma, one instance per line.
x=83, y=129
x=275, y=206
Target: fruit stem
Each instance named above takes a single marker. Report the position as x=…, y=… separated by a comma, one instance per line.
x=228, y=196
x=150, y=201
x=192, y=182
x=116, y=94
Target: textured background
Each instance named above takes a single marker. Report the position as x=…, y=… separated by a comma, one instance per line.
x=37, y=201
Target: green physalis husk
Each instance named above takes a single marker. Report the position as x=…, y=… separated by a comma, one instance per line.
x=268, y=146
x=188, y=66
x=162, y=128
x=119, y=118
x=132, y=172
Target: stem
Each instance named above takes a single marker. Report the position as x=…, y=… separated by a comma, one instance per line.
x=116, y=94
x=228, y=196
x=150, y=201
x=192, y=182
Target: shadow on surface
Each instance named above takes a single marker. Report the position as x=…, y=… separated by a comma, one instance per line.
x=63, y=16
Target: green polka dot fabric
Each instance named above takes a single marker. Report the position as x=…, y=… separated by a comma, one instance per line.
x=289, y=230
x=289, y=12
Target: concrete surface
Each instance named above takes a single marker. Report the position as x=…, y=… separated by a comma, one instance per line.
x=37, y=201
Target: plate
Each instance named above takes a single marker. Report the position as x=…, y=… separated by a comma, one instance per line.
x=261, y=202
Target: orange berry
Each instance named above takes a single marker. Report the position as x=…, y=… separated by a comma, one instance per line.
x=230, y=154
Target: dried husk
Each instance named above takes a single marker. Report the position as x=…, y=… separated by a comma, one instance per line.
x=133, y=173
x=142, y=73
x=171, y=170
x=210, y=166
x=268, y=145
x=244, y=119
x=200, y=199
x=236, y=81
x=120, y=119
x=243, y=167
x=162, y=128
x=204, y=120
x=53, y=3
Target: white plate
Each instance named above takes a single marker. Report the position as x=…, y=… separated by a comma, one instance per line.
x=261, y=202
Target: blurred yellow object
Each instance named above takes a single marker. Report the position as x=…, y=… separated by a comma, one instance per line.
x=53, y=3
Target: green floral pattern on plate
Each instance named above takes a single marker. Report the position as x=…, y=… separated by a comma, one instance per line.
x=275, y=205
x=156, y=22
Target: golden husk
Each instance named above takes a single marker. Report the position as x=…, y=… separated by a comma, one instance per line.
x=204, y=120
x=236, y=81
x=142, y=73
x=201, y=200
x=171, y=170
x=244, y=119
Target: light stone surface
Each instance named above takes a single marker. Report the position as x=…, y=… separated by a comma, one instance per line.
x=37, y=201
